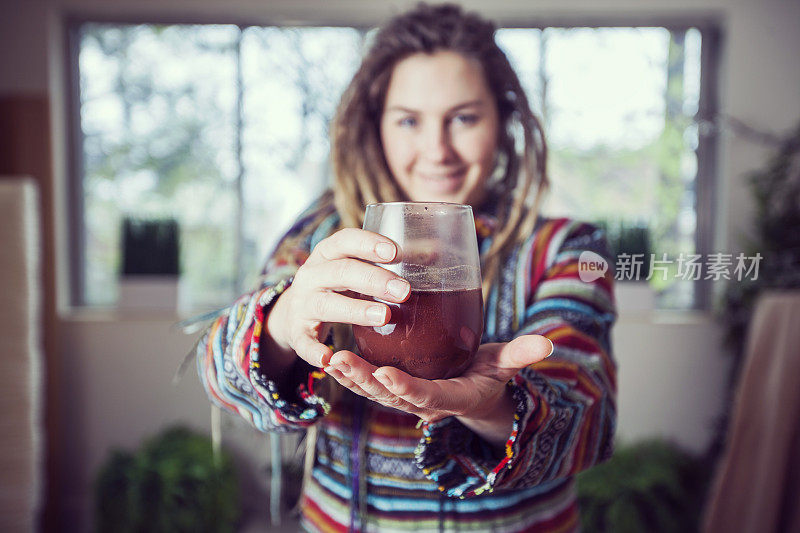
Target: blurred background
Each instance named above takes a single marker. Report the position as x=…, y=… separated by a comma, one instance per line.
x=151, y=154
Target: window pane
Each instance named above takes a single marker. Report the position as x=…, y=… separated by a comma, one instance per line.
x=157, y=113
x=619, y=104
x=292, y=84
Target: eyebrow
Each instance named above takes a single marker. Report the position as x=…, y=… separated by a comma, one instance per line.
x=471, y=103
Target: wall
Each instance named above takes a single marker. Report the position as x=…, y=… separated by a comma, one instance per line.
x=117, y=382
x=114, y=379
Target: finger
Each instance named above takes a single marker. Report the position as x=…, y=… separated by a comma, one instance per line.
x=524, y=351
x=354, y=242
x=364, y=278
x=360, y=372
x=450, y=395
x=334, y=307
x=334, y=372
x=312, y=351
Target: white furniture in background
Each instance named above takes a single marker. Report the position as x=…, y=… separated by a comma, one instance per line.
x=21, y=428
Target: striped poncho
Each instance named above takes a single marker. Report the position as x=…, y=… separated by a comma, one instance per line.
x=379, y=469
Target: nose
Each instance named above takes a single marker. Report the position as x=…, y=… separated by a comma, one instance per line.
x=436, y=143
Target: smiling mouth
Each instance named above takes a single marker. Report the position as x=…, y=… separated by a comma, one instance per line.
x=442, y=176
x=439, y=183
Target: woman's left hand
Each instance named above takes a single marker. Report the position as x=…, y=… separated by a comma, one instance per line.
x=478, y=395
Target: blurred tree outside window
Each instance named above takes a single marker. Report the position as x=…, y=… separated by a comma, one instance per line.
x=225, y=128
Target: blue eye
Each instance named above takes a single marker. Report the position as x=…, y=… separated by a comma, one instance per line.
x=407, y=122
x=467, y=119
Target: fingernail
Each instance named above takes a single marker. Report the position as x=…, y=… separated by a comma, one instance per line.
x=552, y=348
x=385, y=250
x=383, y=378
x=326, y=360
x=398, y=288
x=343, y=368
x=376, y=314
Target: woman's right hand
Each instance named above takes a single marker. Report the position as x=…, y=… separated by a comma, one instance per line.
x=301, y=316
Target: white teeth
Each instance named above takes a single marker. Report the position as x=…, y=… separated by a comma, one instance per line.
x=441, y=177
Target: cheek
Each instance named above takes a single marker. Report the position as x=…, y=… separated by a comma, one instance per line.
x=396, y=150
x=478, y=147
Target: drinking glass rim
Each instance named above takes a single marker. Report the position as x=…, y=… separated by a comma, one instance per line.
x=453, y=204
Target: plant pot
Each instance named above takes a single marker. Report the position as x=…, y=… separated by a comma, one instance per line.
x=151, y=292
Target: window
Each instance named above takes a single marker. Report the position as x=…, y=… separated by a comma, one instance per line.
x=225, y=128
x=619, y=107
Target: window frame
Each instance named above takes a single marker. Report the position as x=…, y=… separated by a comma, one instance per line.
x=707, y=151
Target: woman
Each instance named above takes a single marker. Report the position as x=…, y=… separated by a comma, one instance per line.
x=435, y=113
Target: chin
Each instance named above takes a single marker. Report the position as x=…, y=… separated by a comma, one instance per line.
x=458, y=196
x=439, y=198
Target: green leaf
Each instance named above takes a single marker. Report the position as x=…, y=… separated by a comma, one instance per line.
x=172, y=484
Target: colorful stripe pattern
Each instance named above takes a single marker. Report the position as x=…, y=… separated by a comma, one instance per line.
x=377, y=469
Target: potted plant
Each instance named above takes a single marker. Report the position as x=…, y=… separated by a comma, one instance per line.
x=150, y=263
x=631, y=248
x=651, y=485
x=174, y=483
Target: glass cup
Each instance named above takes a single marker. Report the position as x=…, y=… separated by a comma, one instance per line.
x=436, y=332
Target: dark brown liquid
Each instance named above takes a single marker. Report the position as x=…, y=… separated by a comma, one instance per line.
x=432, y=335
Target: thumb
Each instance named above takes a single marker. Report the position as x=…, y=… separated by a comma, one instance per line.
x=524, y=351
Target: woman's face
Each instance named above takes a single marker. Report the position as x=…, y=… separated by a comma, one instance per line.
x=439, y=128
